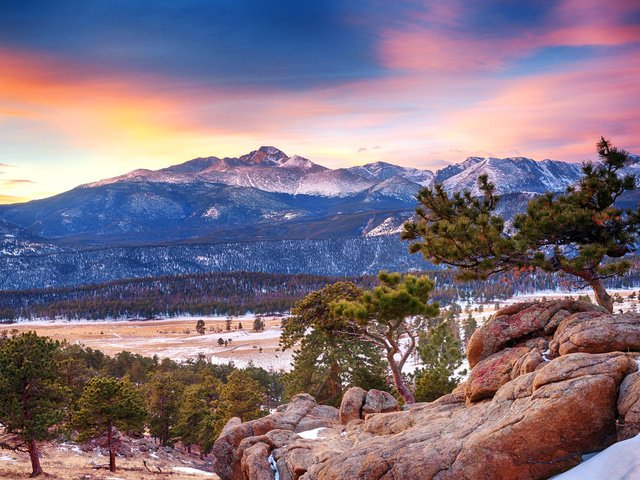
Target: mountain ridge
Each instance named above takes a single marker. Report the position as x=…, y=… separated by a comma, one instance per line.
x=209, y=214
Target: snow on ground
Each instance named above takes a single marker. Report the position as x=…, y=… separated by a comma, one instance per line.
x=176, y=338
x=193, y=471
x=311, y=434
x=620, y=461
x=247, y=317
x=6, y=458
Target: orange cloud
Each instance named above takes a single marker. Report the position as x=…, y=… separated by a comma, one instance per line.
x=7, y=199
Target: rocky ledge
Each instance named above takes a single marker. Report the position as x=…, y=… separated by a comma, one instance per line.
x=549, y=383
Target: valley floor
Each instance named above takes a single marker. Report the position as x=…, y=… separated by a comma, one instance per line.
x=177, y=338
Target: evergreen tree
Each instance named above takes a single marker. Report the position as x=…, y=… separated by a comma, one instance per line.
x=193, y=422
x=107, y=404
x=32, y=400
x=162, y=394
x=391, y=316
x=330, y=358
x=258, y=324
x=571, y=233
x=469, y=325
x=440, y=354
x=200, y=327
x=241, y=397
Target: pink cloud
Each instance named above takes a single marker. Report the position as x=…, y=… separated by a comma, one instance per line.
x=557, y=115
x=429, y=47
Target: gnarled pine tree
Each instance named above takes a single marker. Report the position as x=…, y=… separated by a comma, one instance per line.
x=574, y=232
x=330, y=356
x=392, y=316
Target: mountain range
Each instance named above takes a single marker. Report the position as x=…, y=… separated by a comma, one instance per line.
x=264, y=196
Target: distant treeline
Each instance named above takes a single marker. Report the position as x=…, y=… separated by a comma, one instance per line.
x=237, y=293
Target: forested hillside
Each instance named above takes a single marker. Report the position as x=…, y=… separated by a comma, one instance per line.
x=240, y=292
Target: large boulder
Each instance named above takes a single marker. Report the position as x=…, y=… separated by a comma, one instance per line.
x=302, y=412
x=521, y=321
x=629, y=406
x=538, y=397
x=492, y=373
x=378, y=401
x=351, y=405
x=597, y=334
x=536, y=426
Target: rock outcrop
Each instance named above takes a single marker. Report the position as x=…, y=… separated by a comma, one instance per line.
x=550, y=382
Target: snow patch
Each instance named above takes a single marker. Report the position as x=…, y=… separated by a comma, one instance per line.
x=192, y=471
x=274, y=467
x=212, y=213
x=311, y=434
x=620, y=461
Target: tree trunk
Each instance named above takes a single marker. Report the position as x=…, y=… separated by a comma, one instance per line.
x=35, y=459
x=335, y=386
x=112, y=453
x=398, y=381
x=602, y=297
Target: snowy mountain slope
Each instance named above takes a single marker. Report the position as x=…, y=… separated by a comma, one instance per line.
x=384, y=170
x=16, y=241
x=267, y=194
x=255, y=212
x=518, y=174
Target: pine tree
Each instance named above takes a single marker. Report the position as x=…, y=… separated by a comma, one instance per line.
x=258, y=324
x=329, y=358
x=469, y=326
x=572, y=233
x=195, y=414
x=200, y=327
x=241, y=397
x=107, y=404
x=162, y=394
x=392, y=316
x=32, y=399
x=440, y=354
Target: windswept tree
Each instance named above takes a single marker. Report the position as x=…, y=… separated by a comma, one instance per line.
x=330, y=356
x=573, y=232
x=392, y=316
x=108, y=404
x=32, y=399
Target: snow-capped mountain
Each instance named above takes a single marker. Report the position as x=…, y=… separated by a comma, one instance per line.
x=271, y=170
x=384, y=170
x=257, y=212
x=266, y=194
x=511, y=175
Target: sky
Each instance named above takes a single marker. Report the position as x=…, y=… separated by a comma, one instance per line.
x=94, y=89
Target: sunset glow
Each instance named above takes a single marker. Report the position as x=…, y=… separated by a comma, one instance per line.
x=90, y=90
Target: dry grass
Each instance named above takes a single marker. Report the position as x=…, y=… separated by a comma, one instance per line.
x=65, y=462
x=175, y=339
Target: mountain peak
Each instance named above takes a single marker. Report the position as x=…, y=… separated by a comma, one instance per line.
x=265, y=155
